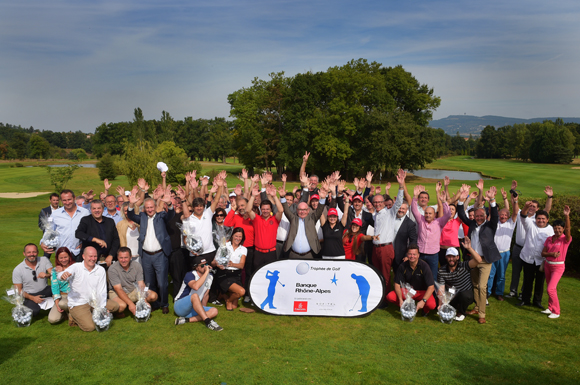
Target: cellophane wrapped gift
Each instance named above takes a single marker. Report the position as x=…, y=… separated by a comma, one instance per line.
x=221, y=235
x=408, y=308
x=101, y=316
x=21, y=314
x=51, y=237
x=447, y=312
x=192, y=241
x=142, y=308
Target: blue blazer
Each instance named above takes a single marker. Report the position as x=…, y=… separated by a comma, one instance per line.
x=160, y=225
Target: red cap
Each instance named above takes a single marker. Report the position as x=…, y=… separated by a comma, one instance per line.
x=357, y=197
x=332, y=212
x=357, y=221
x=314, y=196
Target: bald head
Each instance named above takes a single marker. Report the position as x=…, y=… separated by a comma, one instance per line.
x=303, y=210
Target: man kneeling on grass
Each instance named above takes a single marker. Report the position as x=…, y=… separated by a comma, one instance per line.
x=123, y=276
x=194, y=294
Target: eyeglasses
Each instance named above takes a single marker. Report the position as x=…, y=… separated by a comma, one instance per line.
x=34, y=276
x=203, y=265
x=220, y=215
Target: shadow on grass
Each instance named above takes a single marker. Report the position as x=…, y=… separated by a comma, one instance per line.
x=498, y=372
x=11, y=346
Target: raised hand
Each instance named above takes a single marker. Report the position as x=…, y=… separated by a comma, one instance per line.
x=417, y=190
x=438, y=187
x=181, y=193
x=158, y=192
x=464, y=194
x=465, y=187
x=255, y=192
x=264, y=180
x=447, y=181
x=294, y=190
x=164, y=175
x=324, y=185
x=442, y=196
x=548, y=191
x=473, y=195
x=204, y=181
x=187, y=177
x=141, y=183
x=219, y=182
x=305, y=157
x=166, y=195
x=134, y=190
x=466, y=242
x=479, y=184
x=378, y=190
x=282, y=191
x=401, y=175
x=133, y=197
x=341, y=185
x=269, y=176
x=271, y=190
x=362, y=184
x=322, y=193
x=244, y=173
x=387, y=187
x=102, y=196
x=214, y=188
x=284, y=178
x=120, y=190
x=255, y=178
x=238, y=189
x=566, y=210
x=503, y=193
x=107, y=184
x=304, y=181
x=514, y=184
x=355, y=182
x=193, y=183
x=369, y=177
x=493, y=190
x=223, y=174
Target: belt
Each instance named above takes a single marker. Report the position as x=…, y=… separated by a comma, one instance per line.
x=152, y=252
x=383, y=244
x=302, y=254
x=555, y=263
x=264, y=250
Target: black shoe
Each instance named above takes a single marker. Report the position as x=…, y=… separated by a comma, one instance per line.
x=382, y=306
x=523, y=304
x=520, y=296
x=539, y=306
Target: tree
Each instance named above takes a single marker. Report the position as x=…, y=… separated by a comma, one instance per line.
x=38, y=147
x=60, y=176
x=177, y=161
x=137, y=162
x=107, y=167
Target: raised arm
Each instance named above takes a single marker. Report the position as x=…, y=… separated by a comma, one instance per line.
x=250, y=204
x=438, y=192
x=550, y=194
x=476, y=260
x=461, y=209
x=304, y=161
x=271, y=191
x=567, y=228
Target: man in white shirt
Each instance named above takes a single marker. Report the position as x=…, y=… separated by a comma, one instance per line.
x=85, y=278
x=536, y=234
x=503, y=240
x=383, y=251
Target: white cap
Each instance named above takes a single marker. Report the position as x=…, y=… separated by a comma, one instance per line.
x=162, y=167
x=452, y=251
x=233, y=195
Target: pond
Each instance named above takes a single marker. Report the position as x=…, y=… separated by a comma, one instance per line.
x=440, y=174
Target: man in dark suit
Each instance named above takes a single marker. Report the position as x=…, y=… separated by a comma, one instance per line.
x=47, y=212
x=154, y=244
x=482, y=234
x=99, y=232
x=406, y=234
x=302, y=239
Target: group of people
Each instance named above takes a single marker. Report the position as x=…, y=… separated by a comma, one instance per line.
x=117, y=245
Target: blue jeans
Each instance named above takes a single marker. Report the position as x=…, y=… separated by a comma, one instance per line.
x=155, y=270
x=498, y=267
x=433, y=262
x=184, y=308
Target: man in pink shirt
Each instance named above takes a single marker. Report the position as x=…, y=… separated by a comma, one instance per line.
x=429, y=229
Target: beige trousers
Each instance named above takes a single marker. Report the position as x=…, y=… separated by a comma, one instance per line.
x=83, y=317
x=479, y=277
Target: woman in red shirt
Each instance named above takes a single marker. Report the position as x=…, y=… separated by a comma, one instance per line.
x=555, y=249
x=449, y=235
x=353, y=240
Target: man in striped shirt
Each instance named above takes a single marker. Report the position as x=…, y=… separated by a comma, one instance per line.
x=458, y=275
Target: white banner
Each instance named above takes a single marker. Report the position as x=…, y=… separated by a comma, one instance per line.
x=317, y=288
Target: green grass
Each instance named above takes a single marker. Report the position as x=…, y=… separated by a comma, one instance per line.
x=515, y=346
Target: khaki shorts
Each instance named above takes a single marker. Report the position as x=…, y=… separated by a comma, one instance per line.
x=133, y=296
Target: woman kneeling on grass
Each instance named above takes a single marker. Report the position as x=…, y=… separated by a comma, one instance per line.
x=555, y=249
x=229, y=278
x=194, y=294
x=353, y=241
x=60, y=288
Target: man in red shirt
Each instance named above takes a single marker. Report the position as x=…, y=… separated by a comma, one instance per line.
x=238, y=217
x=265, y=227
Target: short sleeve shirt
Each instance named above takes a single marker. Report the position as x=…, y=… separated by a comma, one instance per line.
x=460, y=278
x=125, y=278
x=265, y=231
x=419, y=279
x=560, y=245
x=22, y=274
x=193, y=275
x=203, y=228
x=332, y=246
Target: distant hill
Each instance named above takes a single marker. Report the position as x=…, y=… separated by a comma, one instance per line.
x=469, y=124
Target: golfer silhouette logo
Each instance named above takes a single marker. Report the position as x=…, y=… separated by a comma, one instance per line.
x=363, y=289
x=273, y=277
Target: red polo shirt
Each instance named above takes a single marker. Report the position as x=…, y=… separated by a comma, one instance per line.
x=236, y=220
x=265, y=231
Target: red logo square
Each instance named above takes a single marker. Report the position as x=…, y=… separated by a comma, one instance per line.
x=300, y=306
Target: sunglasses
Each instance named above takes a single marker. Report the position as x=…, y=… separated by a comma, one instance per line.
x=34, y=276
x=203, y=265
x=220, y=215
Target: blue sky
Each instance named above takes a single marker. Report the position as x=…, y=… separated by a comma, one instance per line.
x=71, y=65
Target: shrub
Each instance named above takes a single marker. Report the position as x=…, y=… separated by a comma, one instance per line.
x=107, y=167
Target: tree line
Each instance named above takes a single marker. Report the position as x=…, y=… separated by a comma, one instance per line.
x=546, y=142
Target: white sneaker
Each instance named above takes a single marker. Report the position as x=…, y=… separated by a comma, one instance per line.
x=486, y=302
x=247, y=299
x=214, y=326
x=554, y=315
x=460, y=318
x=546, y=311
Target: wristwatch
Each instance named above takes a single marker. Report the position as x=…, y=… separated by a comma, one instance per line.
x=424, y=300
